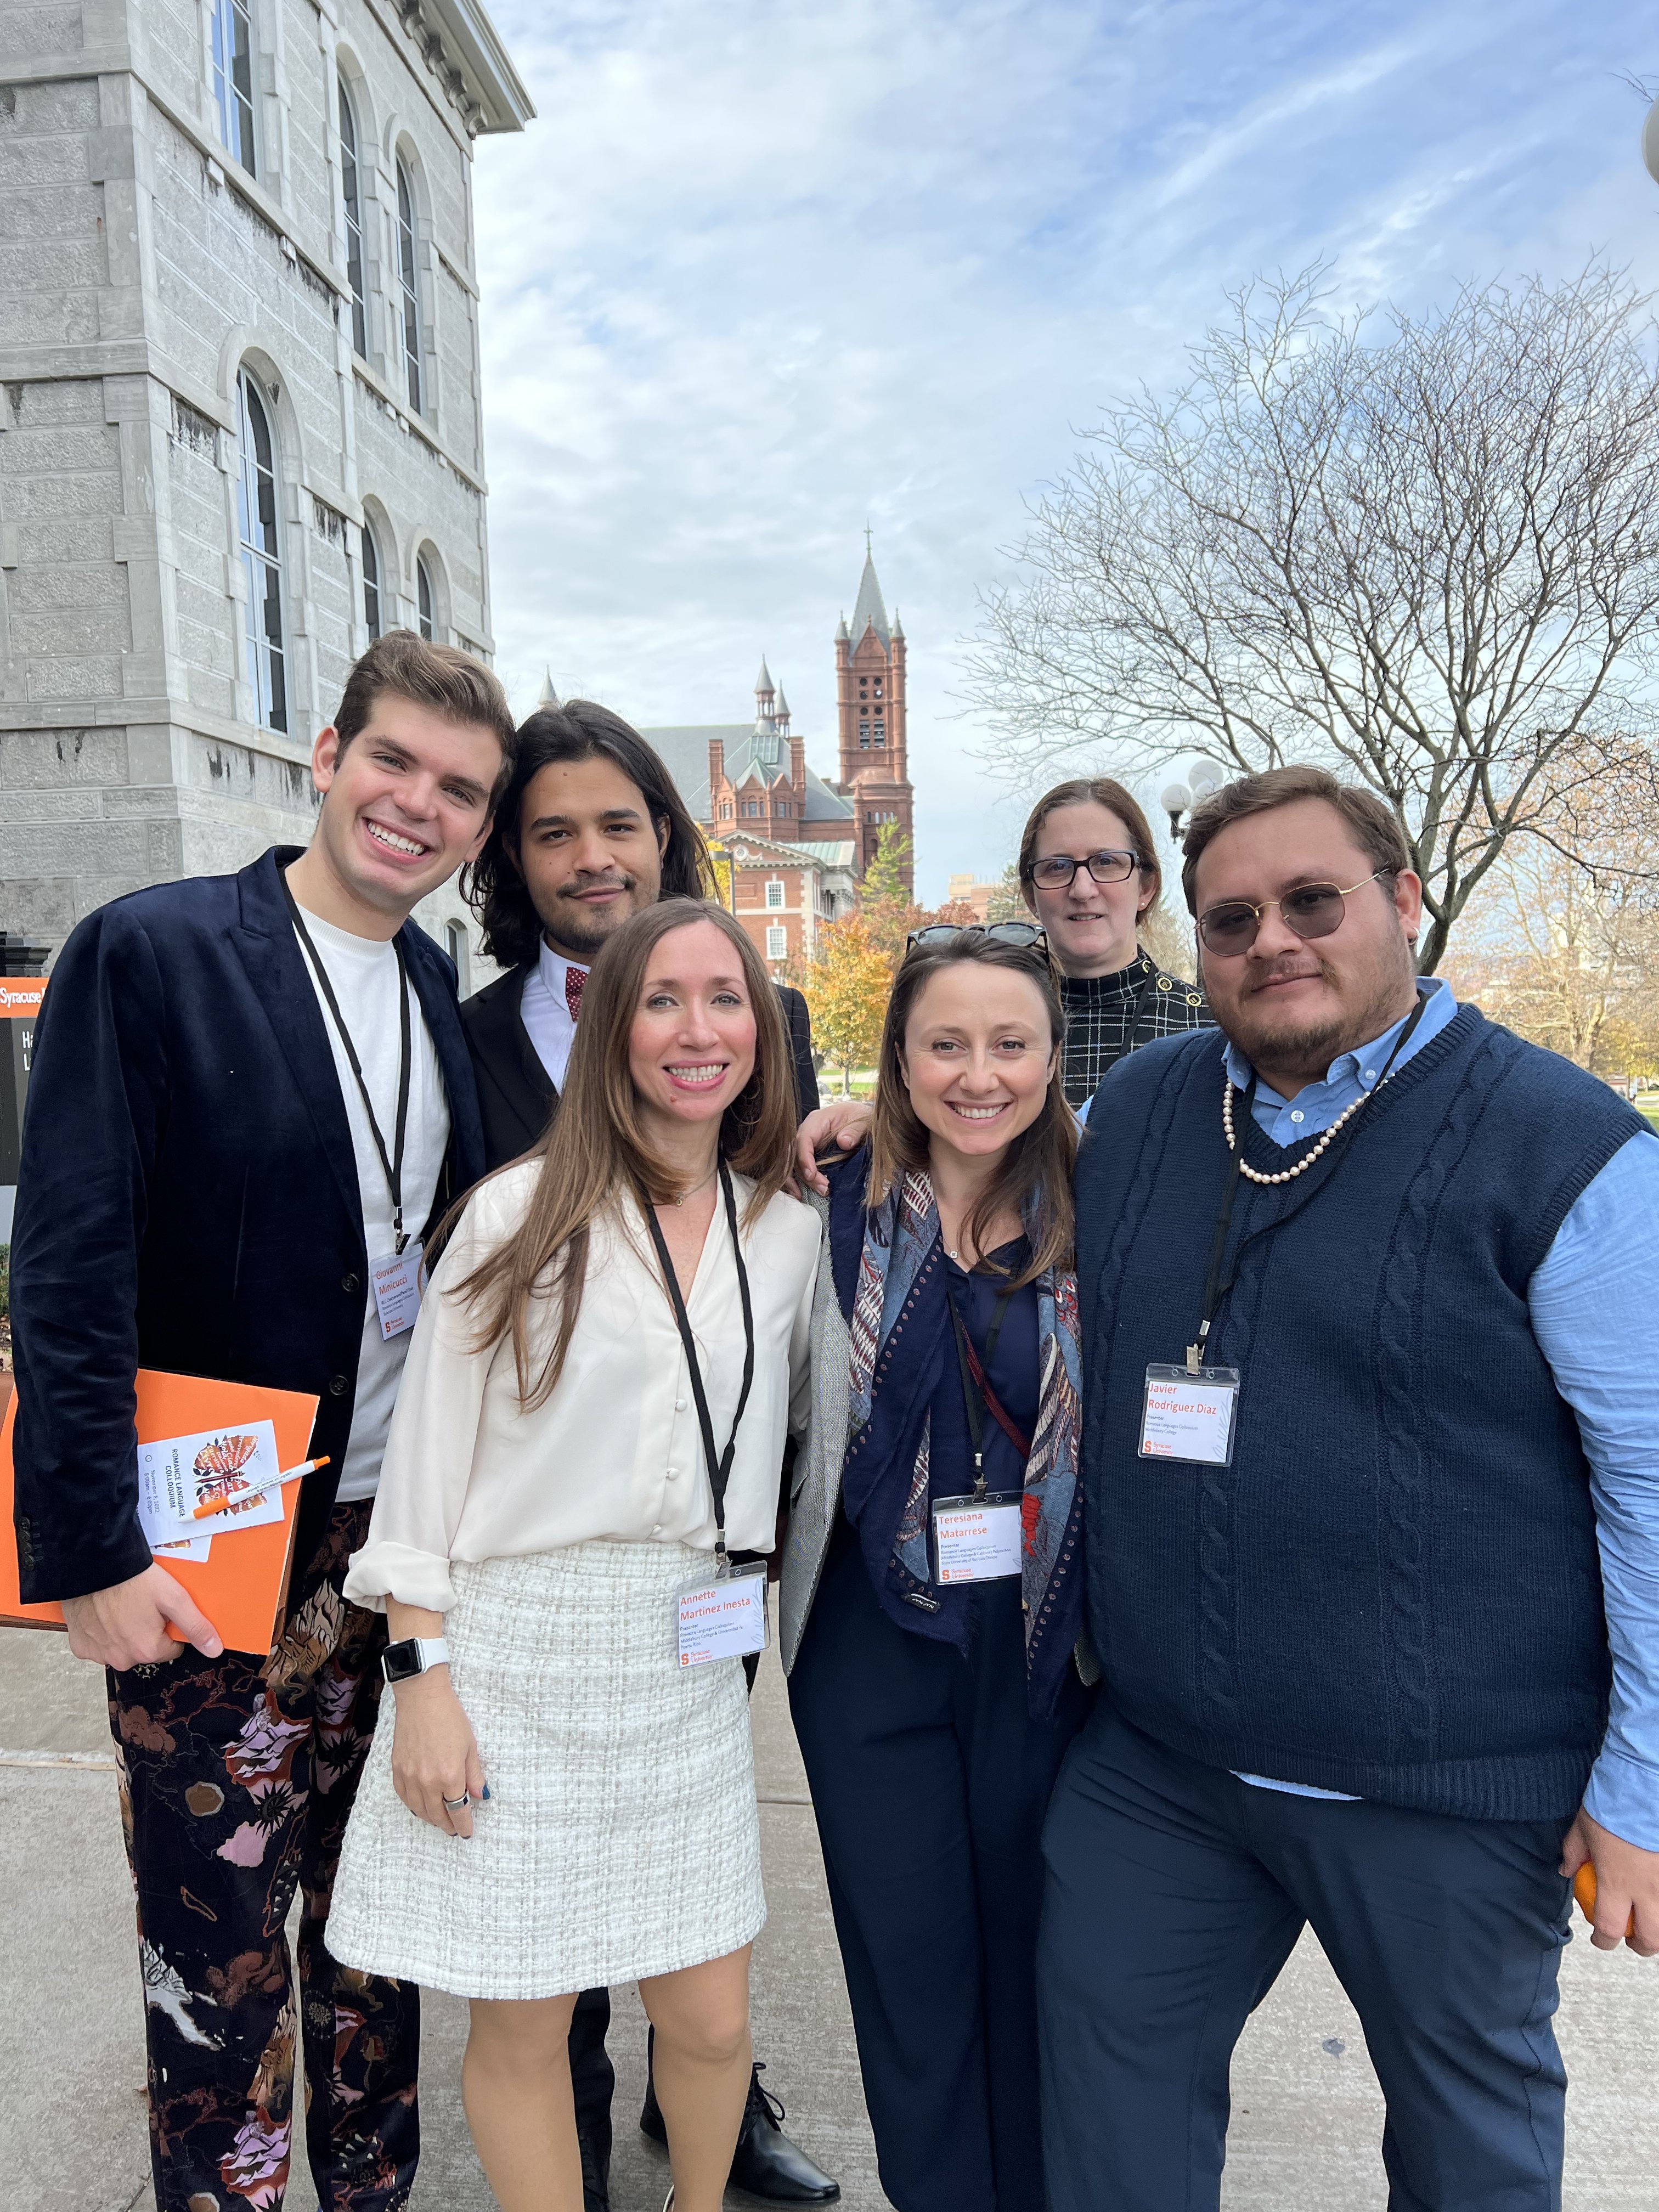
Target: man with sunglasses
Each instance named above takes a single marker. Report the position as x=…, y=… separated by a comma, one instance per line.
x=1371, y=1461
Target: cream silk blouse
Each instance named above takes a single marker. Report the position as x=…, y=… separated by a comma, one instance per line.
x=615, y=1451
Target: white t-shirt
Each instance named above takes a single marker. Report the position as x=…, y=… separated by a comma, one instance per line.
x=363, y=971
x=545, y=1012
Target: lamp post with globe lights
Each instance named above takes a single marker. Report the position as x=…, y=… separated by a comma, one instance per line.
x=1179, y=798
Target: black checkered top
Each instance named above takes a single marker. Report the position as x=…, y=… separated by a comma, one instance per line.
x=1107, y=1015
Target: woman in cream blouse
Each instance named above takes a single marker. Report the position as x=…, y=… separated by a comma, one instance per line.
x=558, y=1796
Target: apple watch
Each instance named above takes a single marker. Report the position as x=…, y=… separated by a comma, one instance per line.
x=402, y=1662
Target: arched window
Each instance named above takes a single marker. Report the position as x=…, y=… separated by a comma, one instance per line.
x=424, y=600
x=409, y=284
x=371, y=586
x=231, y=35
x=262, y=557
x=352, y=193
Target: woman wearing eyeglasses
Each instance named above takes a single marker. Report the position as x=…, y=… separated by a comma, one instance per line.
x=1089, y=871
x=931, y=1612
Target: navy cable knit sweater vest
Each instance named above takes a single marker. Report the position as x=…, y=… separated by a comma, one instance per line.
x=1393, y=1591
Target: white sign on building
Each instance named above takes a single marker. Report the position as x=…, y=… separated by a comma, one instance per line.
x=239, y=415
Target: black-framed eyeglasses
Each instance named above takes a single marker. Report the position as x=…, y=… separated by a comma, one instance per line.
x=1028, y=936
x=1059, y=871
x=1310, y=910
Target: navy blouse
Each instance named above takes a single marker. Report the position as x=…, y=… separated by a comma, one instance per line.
x=1012, y=1372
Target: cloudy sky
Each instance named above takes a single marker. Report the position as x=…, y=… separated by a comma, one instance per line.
x=760, y=273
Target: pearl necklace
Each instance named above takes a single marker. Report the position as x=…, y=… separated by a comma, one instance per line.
x=1286, y=1175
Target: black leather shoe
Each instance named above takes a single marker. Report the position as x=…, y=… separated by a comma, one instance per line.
x=767, y=2164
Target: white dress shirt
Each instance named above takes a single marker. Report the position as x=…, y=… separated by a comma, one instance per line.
x=544, y=1009
x=615, y=1451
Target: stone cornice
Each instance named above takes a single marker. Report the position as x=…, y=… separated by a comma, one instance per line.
x=465, y=58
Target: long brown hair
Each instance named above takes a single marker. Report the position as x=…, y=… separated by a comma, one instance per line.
x=596, y=1152
x=1037, y=1165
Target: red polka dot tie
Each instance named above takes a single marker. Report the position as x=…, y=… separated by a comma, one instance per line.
x=573, y=980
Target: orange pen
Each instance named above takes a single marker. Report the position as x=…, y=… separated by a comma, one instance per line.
x=1584, y=1888
x=257, y=1489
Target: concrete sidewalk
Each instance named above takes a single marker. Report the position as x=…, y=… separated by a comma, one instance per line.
x=1307, y=2115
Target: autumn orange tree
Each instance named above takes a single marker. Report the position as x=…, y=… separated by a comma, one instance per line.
x=846, y=987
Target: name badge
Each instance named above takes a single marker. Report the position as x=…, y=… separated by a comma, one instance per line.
x=976, y=1539
x=723, y=1620
x=398, y=1283
x=1190, y=1416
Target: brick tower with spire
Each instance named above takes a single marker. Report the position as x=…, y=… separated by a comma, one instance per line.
x=870, y=705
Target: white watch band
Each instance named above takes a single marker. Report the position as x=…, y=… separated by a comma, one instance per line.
x=434, y=1651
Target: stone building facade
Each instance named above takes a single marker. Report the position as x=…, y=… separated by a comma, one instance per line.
x=241, y=428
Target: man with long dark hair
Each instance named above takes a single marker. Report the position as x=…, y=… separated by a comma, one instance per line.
x=589, y=832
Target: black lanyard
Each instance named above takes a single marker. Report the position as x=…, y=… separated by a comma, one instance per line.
x=719, y=1464
x=1215, y=1290
x=974, y=1400
x=393, y=1165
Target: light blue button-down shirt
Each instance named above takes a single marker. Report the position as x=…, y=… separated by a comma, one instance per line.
x=1591, y=1301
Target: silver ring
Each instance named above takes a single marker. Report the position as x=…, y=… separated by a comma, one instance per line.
x=457, y=1804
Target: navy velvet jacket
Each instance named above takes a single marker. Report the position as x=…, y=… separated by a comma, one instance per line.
x=188, y=1199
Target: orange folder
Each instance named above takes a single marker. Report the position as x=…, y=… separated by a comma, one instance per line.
x=242, y=1585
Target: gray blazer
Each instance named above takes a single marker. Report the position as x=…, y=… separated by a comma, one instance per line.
x=815, y=1489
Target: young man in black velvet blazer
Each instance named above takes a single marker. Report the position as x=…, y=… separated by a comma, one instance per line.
x=199, y=1192
x=589, y=830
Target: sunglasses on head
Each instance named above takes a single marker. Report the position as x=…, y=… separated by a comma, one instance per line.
x=1025, y=936
x=1310, y=910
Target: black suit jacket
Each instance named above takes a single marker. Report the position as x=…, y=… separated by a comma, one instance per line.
x=188, y=1199
x=516, y=1095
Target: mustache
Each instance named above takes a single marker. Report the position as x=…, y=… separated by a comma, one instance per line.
x=1283, y=969
x=608, y=882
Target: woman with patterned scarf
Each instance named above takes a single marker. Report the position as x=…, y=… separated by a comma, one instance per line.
x=932, y=1602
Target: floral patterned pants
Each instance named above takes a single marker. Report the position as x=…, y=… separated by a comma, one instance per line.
x=237, y=1776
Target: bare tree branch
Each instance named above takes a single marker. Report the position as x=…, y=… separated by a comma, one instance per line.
x=1424, y=552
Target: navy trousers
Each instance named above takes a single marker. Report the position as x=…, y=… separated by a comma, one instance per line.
x=930, y=1783
x=1174, y=1895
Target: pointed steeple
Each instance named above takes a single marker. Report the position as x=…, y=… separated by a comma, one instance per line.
x=841, y=630
x=868, y=611
x=765, y=687
x=781, y=713
x=898, y=627
x=548, y=697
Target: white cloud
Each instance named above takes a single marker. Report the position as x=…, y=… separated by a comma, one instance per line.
x=760, y=274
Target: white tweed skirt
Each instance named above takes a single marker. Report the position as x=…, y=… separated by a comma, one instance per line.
x=621, y=1838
